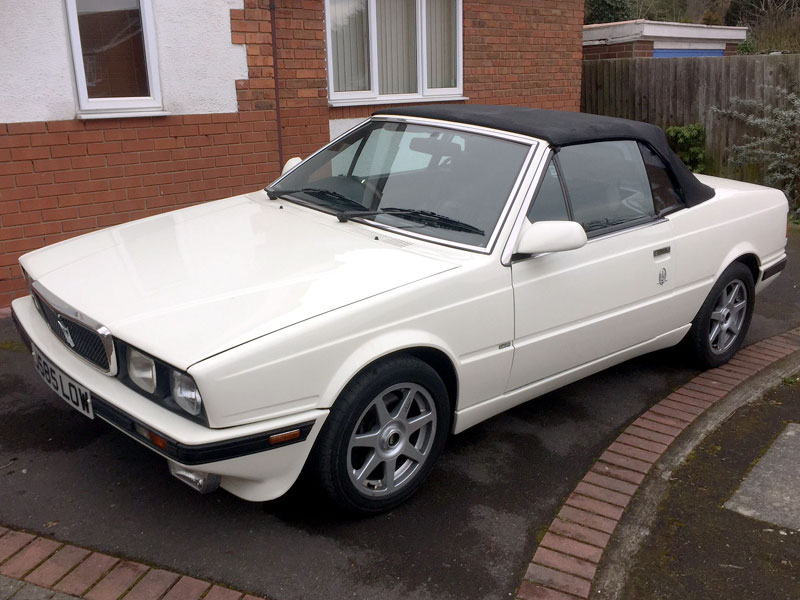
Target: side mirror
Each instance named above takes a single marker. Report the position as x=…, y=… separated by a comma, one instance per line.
x=291, y=164
x=550, y=236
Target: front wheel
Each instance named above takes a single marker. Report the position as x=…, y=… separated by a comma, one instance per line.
x=720, y=327
x=383, y=435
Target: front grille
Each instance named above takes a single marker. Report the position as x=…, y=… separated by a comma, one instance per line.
x=85, y=341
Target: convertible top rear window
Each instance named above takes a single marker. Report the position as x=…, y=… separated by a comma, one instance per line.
x=443, y=183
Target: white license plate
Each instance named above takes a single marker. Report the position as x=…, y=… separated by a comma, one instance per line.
x=74, y=394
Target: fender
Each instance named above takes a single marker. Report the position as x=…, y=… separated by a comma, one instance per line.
x=375, y=349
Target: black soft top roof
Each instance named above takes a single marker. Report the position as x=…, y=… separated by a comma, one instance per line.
x=563, y=129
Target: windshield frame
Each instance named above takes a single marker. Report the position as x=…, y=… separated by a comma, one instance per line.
x=532, y=143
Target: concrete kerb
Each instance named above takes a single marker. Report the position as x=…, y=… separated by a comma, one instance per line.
x=591, y=544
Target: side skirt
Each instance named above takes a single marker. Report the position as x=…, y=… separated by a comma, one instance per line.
x=473, y=415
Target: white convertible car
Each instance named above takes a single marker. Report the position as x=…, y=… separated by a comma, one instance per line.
x=427, y=270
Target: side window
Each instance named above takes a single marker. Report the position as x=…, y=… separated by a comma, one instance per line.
x=607, y=184
x=549, y=203
x=665, y=196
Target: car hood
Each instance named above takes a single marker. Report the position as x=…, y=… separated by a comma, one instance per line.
x=189, y=284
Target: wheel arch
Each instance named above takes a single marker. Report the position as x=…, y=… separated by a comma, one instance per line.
x=751, y=261
x=429, y=351
x=744, y=253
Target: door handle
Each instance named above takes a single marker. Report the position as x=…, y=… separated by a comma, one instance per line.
x=661, y=251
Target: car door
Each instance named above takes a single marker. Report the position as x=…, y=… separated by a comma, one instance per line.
x=578, y=306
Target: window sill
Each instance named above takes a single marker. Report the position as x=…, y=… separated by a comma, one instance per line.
x=122, y=114
x=403, y=100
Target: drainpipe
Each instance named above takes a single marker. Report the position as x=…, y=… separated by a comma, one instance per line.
x=276, y=81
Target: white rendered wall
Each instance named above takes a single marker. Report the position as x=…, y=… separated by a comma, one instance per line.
x=36, y=80
x=339, y=126
x=198, y=64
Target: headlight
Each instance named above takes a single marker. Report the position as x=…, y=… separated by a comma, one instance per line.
x=142, y=371
x=185, y=393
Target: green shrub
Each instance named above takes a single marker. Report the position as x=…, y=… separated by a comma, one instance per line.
x=607, y=11
x=774, y=144
x=746, y=47
x=689, y=143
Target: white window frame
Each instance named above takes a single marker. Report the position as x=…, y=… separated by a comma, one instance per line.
x=107, y=107
x=372, y=96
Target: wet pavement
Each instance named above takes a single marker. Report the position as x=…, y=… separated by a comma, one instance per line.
x=469, y=533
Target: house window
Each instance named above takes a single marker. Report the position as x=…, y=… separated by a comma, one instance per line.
x=383, y=51
x=113, y=49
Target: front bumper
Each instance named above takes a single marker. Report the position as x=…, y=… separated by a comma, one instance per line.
x=251, y=461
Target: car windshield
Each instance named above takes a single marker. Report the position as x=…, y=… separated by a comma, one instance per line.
x=443, y=183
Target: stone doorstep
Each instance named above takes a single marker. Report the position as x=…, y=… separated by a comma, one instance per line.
x=37, y=568
x=564, y=565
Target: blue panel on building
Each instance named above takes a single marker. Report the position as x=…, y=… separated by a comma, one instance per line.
x=684, y=53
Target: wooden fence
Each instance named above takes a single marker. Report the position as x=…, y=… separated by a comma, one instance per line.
x=680, y=91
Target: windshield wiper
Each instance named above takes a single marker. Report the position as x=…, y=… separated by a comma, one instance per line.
x=425, y=217
x=312, y=191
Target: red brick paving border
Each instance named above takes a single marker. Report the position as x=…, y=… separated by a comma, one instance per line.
x=95, y=576
x=565, y=563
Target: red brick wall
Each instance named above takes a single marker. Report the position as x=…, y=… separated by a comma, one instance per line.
x=523, y=53
x=520, y=52
x=302, y=76
x=731, y=49
x=62, y=178
x=638, y=49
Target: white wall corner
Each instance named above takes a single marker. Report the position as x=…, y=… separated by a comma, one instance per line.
x=198, y=63
x=339, y=126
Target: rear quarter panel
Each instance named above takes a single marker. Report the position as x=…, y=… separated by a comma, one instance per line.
x=741, y=219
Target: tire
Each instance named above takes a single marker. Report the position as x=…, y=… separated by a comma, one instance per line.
x=720, y=327
x=392, y=419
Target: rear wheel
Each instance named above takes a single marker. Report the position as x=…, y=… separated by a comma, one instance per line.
x=720, y=327
x=383, y=435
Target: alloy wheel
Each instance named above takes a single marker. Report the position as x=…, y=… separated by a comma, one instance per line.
x=392, y=439
x=727, y=317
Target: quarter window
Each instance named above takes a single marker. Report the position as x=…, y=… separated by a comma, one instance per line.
x=385, y=50
x=607, y=185
x=665, y=196
x=113, y=50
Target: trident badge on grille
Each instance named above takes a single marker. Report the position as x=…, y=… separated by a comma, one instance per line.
x=65, y=331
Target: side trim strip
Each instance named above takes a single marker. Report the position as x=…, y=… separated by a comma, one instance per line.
x=774, y=269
